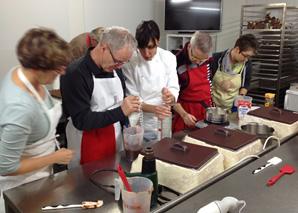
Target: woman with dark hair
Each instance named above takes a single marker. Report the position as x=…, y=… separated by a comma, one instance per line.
x=29, y=115
x=151, y=73
x=232, y=71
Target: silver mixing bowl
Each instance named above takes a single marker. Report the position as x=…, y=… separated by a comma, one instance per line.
x=261, y=130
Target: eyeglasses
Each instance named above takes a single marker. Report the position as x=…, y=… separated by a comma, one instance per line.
x=194, y=58
x=246, y=56
x=116, y=62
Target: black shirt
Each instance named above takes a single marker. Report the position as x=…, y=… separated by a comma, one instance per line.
x=76, y=89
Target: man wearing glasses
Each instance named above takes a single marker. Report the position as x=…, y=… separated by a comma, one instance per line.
x=93, y=97
x=232, y=71
x=151, y=73
x=194, y=73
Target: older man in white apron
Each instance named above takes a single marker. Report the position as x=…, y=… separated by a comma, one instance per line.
x=100, y=142
x=94, y=99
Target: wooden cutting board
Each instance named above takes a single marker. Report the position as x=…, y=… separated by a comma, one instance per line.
x=181, y=153
x=222, y=137
x=275, y=114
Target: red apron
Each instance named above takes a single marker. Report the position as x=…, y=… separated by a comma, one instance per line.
x=198, y=89
x=88, y=40
x=97, y=143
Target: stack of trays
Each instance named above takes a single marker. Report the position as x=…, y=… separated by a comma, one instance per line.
x=182, y=166
x=232, y=144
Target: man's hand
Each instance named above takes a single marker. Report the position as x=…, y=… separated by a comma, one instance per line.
x=130, y=104
x=162, y=111
x=189, y=119
x=167, y=96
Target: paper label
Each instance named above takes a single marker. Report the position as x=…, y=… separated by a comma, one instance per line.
x=243, y=108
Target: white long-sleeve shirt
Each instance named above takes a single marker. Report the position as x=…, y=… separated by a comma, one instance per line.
x=147, y=78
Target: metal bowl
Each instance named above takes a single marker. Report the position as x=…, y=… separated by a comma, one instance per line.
x=216, y=115
x=260, y=130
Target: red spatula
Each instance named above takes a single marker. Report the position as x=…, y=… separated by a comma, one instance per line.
x=284, y=170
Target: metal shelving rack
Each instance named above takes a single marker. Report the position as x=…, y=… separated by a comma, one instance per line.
x=276, y=65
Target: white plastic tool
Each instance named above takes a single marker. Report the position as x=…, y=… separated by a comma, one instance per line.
x=84, y=205
x=135, y=116
x=223, y=206
x=272, y=161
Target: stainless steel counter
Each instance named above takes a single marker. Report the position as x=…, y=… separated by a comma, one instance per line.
x=73, y=186
x=70, y=187
x=252, y=188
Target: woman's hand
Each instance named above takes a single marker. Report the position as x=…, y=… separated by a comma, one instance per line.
x=189, y=119
x=162, y=111
x=167, y=96
x=64, y=156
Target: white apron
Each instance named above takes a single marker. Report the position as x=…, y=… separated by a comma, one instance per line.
x=40, y=148
x=107, y=94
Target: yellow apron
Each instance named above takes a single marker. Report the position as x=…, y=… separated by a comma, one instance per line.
x=225, y=87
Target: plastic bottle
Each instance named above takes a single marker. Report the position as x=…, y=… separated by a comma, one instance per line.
x=269, y=100
x=164, y=128
x=149, y=171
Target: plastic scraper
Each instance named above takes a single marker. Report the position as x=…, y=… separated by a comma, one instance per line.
x=283, y=170
x=272, y=161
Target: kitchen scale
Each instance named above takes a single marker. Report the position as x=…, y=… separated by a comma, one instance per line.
x=204, y=123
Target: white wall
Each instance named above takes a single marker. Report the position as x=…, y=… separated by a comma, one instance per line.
x=67, y=17
x=230, y=24
x=72, y=17
x=17, y=16
x=76, y=20
x=125, y=13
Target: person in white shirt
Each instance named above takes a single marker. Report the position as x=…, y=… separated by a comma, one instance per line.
x=151, y=74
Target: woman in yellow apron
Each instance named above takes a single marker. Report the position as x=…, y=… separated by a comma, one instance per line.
x=232, y=71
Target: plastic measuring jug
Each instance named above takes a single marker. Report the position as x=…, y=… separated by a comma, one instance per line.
x=133, y=141
x=138, y=200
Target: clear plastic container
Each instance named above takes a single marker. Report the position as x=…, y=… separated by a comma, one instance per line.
x=164, y=127
x=242, y=98
x=133, y=141
x=243, y=104
x=138, y=200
